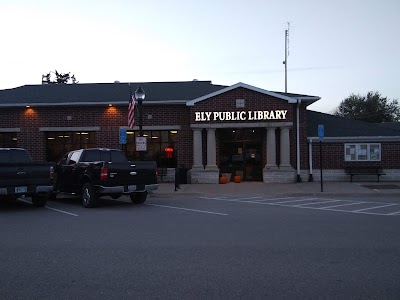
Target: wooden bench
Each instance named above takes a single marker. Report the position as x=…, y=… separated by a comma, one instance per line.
x=364, y=171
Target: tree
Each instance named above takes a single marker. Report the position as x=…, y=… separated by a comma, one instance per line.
x=58, y=78
x=371, y=108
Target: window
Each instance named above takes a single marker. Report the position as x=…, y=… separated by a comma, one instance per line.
x=74, y=157
x=161, y=147
x=58, y=143
x=362, y=152
x=8, y=139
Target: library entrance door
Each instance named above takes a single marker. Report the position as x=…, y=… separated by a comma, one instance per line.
x=240, y=153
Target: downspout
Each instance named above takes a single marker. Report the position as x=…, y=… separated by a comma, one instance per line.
x=310, y=178
x=298, y=138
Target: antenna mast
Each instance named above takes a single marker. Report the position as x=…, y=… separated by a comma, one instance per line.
x=286, y=54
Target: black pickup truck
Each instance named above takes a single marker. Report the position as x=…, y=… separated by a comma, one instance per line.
x=91, y=173
x=20, y=176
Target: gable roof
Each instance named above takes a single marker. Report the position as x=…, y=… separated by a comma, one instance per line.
x=105, y=93
x=290, y=98
x=337, y=127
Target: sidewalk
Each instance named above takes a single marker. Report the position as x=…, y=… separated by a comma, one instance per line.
x=279, y=189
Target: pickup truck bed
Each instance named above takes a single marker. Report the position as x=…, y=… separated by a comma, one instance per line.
x=19, y=176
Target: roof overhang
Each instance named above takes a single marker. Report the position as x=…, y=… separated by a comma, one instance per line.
x=165, y=102
x=255, y=89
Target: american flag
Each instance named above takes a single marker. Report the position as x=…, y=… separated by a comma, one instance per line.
x=131, y=111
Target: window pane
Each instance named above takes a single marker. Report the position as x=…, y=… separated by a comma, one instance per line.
x=375, y=152
x=58, y=143
x=362, y=152
x=350, y=152
x=20, y=156
x=4, y=156
x=8, y=139
x=91, y=155
x=117, y=156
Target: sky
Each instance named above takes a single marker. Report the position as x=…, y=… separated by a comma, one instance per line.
x=335, y=48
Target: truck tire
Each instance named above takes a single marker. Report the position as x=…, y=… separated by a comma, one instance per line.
x=138, y=197
x=89, y=196
x=10, y=200
x=39, y=201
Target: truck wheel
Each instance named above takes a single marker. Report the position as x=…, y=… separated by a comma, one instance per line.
x=39, y=201
x=138, y=197
x=89, y=196
x=10, y=200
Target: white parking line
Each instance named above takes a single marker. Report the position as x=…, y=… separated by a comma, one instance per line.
x=62, y=211
x=296, y=200
x=343, y=204
x=213, y=198
x=394, y=213
x=201, y=211
x=373, y=207
x=273, y=199
x=248, y=198
x=58, y=210
x=313, y=203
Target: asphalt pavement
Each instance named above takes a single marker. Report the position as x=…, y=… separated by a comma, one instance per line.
x=376, y=189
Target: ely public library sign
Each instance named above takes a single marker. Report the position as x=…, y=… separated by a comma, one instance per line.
x=255, y=115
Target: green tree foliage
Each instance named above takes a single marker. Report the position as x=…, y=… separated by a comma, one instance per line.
x=58, y=78
x=371, y=108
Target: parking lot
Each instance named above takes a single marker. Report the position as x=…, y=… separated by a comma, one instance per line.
x=357, y=205
x=213, y=246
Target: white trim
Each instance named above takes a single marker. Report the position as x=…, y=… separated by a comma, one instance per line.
x=95, y=128
x=357, y=139
x=315, y=98
x=10, y=129
x=155, y=127
x=242, y=85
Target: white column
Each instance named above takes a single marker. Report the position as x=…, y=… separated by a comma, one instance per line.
x=285, y=148
x=197, y=149
x=271, y=148
x=211, y=149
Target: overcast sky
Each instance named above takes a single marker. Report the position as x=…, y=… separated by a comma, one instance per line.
x=336, y=48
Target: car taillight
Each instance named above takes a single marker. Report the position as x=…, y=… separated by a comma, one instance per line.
x=156, y=171
x=103, y=173
x=51, y=172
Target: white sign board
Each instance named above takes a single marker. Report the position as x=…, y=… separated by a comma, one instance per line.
x=141, y=143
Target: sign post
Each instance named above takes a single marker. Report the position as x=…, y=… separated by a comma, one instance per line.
x=321, y=135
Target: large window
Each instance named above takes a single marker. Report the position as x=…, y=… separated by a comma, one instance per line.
x=161, y=147
x=8, y=139
x=60, y=142
x=362, y=152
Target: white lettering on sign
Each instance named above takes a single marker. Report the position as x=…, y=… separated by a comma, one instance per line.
x=255, y=115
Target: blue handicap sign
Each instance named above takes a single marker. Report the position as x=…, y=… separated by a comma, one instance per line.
x=321, y=132
x=122, y=136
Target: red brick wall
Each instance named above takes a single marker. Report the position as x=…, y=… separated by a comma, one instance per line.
x=333, y=156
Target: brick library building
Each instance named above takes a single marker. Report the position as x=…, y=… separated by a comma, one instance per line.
x=203, y=129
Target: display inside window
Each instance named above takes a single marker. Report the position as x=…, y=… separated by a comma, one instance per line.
x=60, y=142
x=161, y=147
x=362, y=152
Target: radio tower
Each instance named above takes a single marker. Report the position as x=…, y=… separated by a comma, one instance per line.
x=286, y=53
